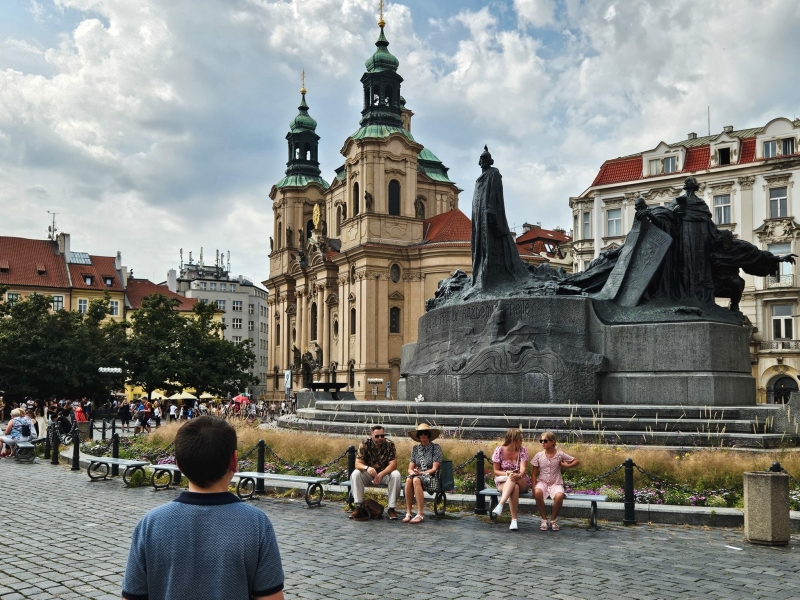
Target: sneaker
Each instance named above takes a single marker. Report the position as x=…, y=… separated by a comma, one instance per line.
x=513, y=526
x=498, y=510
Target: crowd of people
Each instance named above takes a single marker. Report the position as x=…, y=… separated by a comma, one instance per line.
x=376, y=464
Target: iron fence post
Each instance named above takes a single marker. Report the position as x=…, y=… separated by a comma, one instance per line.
x=91, y=430
x=76, y=448
x=56, y=440
x=103, y=434
x=113, y=427
x=630, y=501
x=260, y=467
x=480, y=483
x=47, y=441
x=115, y=454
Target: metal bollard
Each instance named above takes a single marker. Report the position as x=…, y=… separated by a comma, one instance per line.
x=115, y=454
x=113, y=427
x=76, y=448
x=776, y=467
x=56, y=440
x=260, y=467
x=480, y=483
x=351, y=461
x=91, y=430
x=630, y=502
x=47, y=440
x=103, y=434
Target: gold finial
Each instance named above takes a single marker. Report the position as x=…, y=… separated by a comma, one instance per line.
x=381, y=22
x=303, y=88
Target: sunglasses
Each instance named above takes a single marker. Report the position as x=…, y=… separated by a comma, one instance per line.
x=379, y=436
x=543, y=441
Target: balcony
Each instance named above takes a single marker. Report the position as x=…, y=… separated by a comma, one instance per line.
x=780, y=345
x=779, y=281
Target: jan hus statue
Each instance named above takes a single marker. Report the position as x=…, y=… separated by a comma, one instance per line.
x=495, y=259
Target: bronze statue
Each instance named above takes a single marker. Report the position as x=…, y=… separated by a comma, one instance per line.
x=296, y=357
x=495, y=259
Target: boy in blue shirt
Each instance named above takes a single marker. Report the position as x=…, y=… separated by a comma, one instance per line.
x=206, y=543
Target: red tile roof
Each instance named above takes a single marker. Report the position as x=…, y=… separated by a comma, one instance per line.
x=26, y=258
x=450, y=227
x=697, y=159
x=619, y=169
x=139, y=289
x=538, y=233
x=101, y=268
x=748, y=151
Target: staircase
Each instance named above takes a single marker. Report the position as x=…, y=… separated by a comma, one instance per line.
x=746, y=427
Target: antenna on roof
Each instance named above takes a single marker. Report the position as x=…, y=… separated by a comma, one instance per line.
x=181, y=258
x=51, y=230
x=709, y=119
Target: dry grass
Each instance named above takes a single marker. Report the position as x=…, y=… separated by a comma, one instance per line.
x=710, y=468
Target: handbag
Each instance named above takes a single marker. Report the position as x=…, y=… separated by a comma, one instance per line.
x=375, y=509
x=501, y=479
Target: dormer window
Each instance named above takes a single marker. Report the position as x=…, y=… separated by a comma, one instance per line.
x=724, y=156
x=770, y=149
x=4, y=266
x=655, y=167
x=88, y=279
x=108, y=281
x=670, y=164
x=40, y=269
x=787, y=146
x=658, y=166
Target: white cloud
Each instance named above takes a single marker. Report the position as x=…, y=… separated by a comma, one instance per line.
x=537, y=13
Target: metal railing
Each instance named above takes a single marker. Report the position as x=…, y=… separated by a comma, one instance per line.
x=780, y=345
x=779, y=281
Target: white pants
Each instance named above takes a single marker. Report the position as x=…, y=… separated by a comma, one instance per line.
x=359, y=479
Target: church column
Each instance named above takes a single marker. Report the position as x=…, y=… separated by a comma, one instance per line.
x=322, y=326
x=302, y=325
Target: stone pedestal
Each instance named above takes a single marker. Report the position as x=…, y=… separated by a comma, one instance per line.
x=766, y=508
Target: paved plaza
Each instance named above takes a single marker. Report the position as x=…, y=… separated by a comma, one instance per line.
x=68, y=538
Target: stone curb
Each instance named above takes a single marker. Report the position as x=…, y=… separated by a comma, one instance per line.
x=662, y=514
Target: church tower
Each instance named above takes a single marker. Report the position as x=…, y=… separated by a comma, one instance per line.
x=382, y=100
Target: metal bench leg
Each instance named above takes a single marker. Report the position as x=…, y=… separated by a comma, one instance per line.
x=440, y=504
x=313, y=494
x=95, y=468
x=246, y=488
x=158, y=479
x=129, y=472
x=492, y=506
x=593, y=515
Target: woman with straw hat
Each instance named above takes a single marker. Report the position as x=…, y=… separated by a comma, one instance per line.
x=426, y=458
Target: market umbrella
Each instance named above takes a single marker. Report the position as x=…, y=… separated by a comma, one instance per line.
x=206, y=396
x=157, y=396
x=183, y=396
x=241, y=399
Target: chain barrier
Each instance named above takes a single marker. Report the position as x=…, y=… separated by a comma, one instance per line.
x=675, y=486
x=249, y=452
x=605, y=475
x=299, y=466
x=791, y=477
x=466, y=463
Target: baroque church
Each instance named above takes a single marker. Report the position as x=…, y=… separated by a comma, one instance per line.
x=353, y=261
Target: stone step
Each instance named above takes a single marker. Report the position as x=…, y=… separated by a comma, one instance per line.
x=626, y=437
x=538, y=422
x=539, y=410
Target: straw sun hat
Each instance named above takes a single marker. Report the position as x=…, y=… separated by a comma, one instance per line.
x=414, y=433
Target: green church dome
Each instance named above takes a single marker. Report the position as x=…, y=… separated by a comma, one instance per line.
x=382, y=60
x=303, y=121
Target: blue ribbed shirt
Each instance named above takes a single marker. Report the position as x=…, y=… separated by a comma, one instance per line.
x=210, y=546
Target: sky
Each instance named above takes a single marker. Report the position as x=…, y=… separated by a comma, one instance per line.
x=152, y=126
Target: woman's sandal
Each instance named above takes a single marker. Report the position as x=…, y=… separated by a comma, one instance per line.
x=543, y=525
x=417, y=519
x=407, y=518
x=554, y=525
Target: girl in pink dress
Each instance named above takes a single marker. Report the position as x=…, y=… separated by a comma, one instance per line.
x=547, y=466
x=510, y=465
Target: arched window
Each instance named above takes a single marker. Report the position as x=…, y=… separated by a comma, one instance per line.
x=309, y=228
x=394, y=197
x=388, y=99
x=339, y=221
x=307, y=151
x=277, y=379
x=280, y=236
x=313, y=319
x=291, y=146
x=297, y=153
x=277, y=334
x=351, y=376
x=366, y=97
x=355, y=199
x=394, y=320
x=352, y=321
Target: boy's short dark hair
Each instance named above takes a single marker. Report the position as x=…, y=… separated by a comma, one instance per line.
x=203, y=449
x=375, y=427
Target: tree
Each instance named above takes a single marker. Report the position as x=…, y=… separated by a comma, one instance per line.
x=154, y=357
x=213, y=364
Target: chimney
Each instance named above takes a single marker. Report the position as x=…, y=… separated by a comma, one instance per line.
x=692, y=136
x=63, y=245
x=172, y=280
x=526, y=227
x=728, y=129
x=118, y=261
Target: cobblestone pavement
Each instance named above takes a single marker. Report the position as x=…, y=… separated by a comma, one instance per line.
x=72, y=541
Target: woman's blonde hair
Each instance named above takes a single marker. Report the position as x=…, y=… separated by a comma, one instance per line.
x=513, y=435
x=15, y=413
x=550, y=436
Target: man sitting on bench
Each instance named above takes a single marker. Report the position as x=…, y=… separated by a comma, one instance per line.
x=376, y=464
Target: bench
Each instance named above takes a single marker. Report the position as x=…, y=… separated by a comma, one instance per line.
x=246, y=486
x=25, y=452
x=165, y=475
x=446, y=482
x=103, y=464
x=494, y=494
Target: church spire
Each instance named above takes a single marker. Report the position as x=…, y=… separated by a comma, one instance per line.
x=382, y=84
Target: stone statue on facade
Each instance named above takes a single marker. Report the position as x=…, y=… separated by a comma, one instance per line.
x=295, y=357
x=419, y=208
x=495, y=259
x=368, y=201
x=271, y=244
x=289, y=237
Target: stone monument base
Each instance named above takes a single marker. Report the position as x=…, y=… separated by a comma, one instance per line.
x=556, y=350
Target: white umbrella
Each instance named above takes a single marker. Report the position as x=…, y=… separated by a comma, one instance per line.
x=206, y=396
x=183, y=396
x=157, y=396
